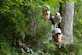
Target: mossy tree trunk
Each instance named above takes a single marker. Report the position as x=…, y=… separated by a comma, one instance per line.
x=67, y=19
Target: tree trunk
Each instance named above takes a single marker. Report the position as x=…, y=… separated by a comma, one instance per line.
x=67, y=20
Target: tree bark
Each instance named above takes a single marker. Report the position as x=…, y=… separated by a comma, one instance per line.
x=67, y=20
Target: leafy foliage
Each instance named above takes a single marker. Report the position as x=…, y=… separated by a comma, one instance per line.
x=21, y=19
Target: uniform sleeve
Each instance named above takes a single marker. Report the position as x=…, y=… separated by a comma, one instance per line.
x=64, y=40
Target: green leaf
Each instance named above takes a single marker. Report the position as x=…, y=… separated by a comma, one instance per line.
x=20, y=1
x=80, y=21
x=75, y=1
